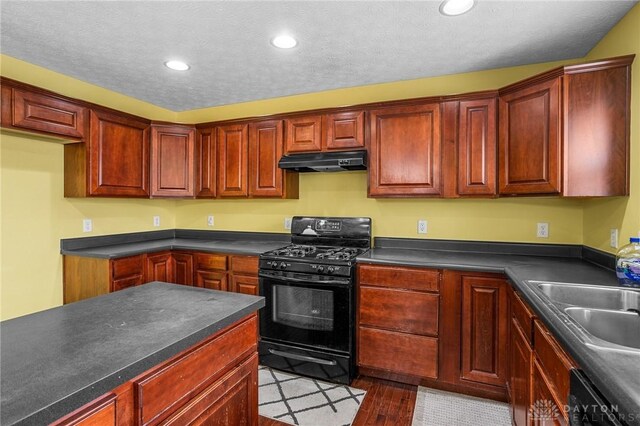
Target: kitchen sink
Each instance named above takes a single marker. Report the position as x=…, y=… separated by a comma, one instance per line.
x=608, y=317
x=618, y=327
x=596, y=297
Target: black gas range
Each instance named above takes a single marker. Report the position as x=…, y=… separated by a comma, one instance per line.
x=307, y=325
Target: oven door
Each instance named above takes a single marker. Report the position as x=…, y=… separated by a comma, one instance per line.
x=306, y=309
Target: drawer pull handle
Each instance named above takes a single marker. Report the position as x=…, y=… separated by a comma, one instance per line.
x=302, y=357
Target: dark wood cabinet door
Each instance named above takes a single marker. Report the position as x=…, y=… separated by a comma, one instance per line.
x=182, y=268
x=546, y=410
x=158, y=267
x=245, y=284
x=343, y=131
x=230, y=401
x=304, y=134
x=40, y=112
x=172, y=161
x=211, y=280
x=206, y=163
x=265, y=150
x=484, y=330
x=529, y=145
x=521, y=359
x=232, y=142
x=405, y=151
x=477, y=147
x=118, y=152
x=596, y=134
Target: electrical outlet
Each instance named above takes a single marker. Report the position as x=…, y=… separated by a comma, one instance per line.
x=613, y=238
x=87, y=225
x=543, y=230
x=287, y=223
x=422, y=226
x=210, y=220
x=156, y=221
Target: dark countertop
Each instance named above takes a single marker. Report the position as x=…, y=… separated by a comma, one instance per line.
x=615, y=373
x=57, y=360
x=122, y=245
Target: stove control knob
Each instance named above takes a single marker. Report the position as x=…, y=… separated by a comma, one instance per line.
x=320, y=268
x=283, y=265
x=274, y=264
x=330, y=269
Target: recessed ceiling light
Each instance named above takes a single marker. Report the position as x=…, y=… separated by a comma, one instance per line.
x=456, y=7
x=284, y=42
x=177, y=65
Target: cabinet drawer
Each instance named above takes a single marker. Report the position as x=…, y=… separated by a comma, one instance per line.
x=232, y=400
x=211, y=261
x=399, y=310
x=397, y=277
x=169, y=385
x=398, y=352
x=246, y=285
x=123, y=283
x=127, y=266
x=522, y=315
x=556, y=364
x=245, y=264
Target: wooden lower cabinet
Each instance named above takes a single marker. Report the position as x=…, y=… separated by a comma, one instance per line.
x=158, y=267
x=546, y=409
x=485, y=328
x=214, y=382
x=521, y=361
x=182, y=265
x=85, y=277
x=244, y=274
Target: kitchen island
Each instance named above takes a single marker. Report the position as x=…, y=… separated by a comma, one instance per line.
x=141, y=355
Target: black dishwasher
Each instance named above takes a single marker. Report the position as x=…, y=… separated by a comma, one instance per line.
x=587, y=406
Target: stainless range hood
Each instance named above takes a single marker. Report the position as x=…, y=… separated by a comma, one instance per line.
x=325, y=161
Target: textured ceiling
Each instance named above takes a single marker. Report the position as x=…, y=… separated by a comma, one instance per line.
x=122, y=45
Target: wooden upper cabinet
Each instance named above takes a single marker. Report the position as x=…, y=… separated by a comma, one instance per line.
x=596, y=130
x=530, y=148
x=43, y=113
x=265, y=149
x=343, y=131
x=172, y=161
x=303, y=134
x=477, y=147
x=114, y=162
x=206, y=163
x=405, y=151
x=232, y=143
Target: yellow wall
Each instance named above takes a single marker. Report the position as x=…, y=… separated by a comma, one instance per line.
x=600, y=216
x=35, y=215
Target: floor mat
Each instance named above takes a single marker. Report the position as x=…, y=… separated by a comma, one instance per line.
x=436, y=408
x=303, y=401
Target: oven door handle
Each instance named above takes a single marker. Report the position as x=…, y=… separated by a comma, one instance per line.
x=302, y=357
x=284, y=278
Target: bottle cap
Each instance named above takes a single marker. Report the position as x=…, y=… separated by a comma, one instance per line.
x=634, y=240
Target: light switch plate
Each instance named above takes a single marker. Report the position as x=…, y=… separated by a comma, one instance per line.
x=210, y=220
x=287, y=223
x=87, y=225
x=156, y=221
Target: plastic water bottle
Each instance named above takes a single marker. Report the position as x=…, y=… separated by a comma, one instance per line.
x=628, y=264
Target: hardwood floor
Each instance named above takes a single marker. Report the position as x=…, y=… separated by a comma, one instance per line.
x=385, y=404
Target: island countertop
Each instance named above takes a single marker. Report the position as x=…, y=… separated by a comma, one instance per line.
x=57, y=360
